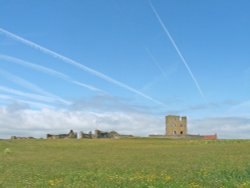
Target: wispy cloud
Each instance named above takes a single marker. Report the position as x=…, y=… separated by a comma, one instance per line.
x=49, y=71
x=240, y=108
x=31, y=86
x=80, y=66
x=104, y=103
x=178, y=51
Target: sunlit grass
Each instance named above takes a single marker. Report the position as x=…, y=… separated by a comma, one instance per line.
x=124, y=163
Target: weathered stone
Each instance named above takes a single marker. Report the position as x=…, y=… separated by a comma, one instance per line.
x=85, y=135
x=71, y=134
x=176, y=126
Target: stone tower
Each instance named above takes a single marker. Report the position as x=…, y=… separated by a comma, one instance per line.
x=176, y=126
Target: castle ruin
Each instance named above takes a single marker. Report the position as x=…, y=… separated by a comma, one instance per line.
x=176, y=126
x=71, y=134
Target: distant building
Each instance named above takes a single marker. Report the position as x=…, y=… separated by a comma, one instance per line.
x=210, y=137
x=176, y=126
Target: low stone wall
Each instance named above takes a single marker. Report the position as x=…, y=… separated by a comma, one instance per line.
x=18, y=137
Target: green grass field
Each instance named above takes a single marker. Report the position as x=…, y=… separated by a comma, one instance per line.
x=124, y=163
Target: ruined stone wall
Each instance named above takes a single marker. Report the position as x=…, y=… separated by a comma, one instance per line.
x=86, y=135
x=176, y=126
x=71, y=134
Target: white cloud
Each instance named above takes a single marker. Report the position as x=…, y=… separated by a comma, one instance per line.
x=28, y=122
x=108, y=113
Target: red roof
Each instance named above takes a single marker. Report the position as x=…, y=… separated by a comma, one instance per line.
x=210, y=137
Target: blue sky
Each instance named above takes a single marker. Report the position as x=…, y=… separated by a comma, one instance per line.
x=110, y=64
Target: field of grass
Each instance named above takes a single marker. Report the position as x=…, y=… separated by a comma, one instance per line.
x=124, y=163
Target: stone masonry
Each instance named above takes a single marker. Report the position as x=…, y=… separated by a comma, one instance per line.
x=176, y=126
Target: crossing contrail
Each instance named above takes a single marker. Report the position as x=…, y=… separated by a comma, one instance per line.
x=31, y=86
x=49, y=71
x=79, y=65
x=177, y=50
x=156, y=63
x=88, y=86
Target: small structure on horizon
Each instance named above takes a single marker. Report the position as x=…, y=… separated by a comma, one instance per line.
x=19, y=137
x=176, y=125
x=210, y=137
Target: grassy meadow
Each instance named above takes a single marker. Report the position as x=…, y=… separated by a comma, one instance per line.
x=124, y=163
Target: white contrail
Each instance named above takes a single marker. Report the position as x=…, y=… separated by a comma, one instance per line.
x=26, y=95
x=34, y=66
x=79, y=65
x=31, y=103
x=177, y=50
x=30, y=86
x=50, y=72
x=156, y=63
